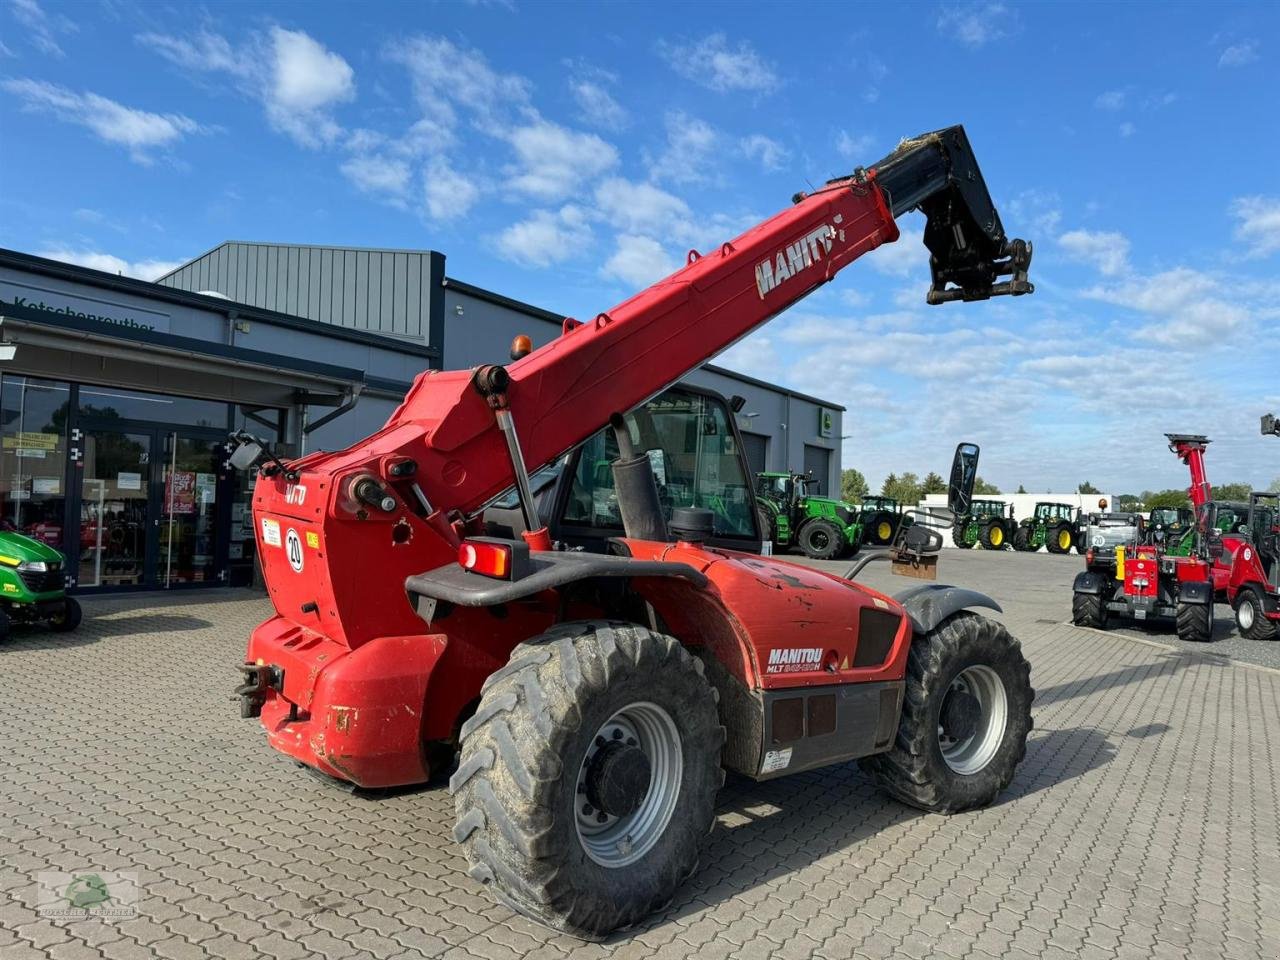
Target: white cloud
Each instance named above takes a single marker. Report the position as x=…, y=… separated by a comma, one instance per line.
x=1193, y=309
x=768, y=152
x=545, y=238
x=139, y=131
x=446, y=77
x=298, y=81
x=756, y=353
x=691, y=144
x=638, y=261
x=42, y=28
x=597, y=106
x=639, y=207
x=1035, y=212
x=1111, y=100
x=141, y=269
x=378, y=174
x=1127, y=129
x=854, y=146
x=1158, y=293
x=906, y=256
x=1259, y=225
x=974, y=25
x=554, y=162
x=1107, y=251
x=447, y=193
x=1239, y=54
x=713, y=64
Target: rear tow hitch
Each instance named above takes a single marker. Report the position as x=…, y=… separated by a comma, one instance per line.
x=258, y=679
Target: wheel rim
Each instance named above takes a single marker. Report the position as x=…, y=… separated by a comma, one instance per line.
x=884, y=530
x=1245, y=614
x=1064, y=540
x=997, y=536
x=618, y=841
x=973, y=718
x=818, y=539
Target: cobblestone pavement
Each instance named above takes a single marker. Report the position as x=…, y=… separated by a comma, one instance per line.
x=1141, y=825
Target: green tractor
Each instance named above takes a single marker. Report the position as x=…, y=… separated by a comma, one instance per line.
x=988, y=522
x=32, y=582
x=791, y=516
x=880, y=518
x=1052, y=525
x=1174, y=527
x=1232, y=516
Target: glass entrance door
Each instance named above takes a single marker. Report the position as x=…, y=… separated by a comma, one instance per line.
x=117, y=512
x=189, y=510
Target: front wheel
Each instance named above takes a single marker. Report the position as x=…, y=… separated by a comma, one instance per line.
x=821, y=540
x=993, y=536
x=1088, y=610
x=588, y=776
x=1251, y=620
x=68, y=618
x=1059, y=540
x=1022, y=539
x=965, y=717
x=1194, y=622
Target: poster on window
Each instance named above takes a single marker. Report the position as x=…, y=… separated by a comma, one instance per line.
x=180, y=492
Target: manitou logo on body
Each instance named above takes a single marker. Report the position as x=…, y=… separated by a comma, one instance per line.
x=799, y=256
x=794, y=659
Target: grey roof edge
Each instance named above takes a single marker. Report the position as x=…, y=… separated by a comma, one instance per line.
x=539, y=313
x=69, y=271
x=310, y=246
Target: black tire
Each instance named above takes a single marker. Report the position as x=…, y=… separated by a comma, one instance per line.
x=1258, y=626
x=517, y=792
x=994, y=536
x=915, y=770
x=882, y=528
x=1022, y=539
x=1195, y=622
x=1053, y=540
x=768, y=534
x=1088, y=610
x=821, y=540
x=4, y=625
x=69, y=617
x=957, y=537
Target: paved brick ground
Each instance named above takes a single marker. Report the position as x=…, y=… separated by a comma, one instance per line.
x=1142, y=824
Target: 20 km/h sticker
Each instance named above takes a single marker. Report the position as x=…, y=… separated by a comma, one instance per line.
x=293, y=549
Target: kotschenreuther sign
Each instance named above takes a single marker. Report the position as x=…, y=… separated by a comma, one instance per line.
x=59, y=303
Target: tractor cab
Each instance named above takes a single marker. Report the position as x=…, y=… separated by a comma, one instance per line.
x=1174, y=527
x=1232, y=516
x=982, y=509
x=1264, y=533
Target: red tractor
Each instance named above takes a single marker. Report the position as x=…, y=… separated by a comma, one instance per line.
x=594, y=699
x=1249, y=564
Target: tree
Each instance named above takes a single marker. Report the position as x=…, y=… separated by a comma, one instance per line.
x=1021, y=489
x=1232, y=491
x=988, y=489
x=1275, y=486
x=889, y=482
x=1087, y=487
x=853, y=485
x=1127, y=502
x=905, y=489
x=1165, y=499
x=933, y=483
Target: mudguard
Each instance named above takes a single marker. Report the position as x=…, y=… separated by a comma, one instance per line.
x=1089, y=582
x=1196, y=591
x=930, y=604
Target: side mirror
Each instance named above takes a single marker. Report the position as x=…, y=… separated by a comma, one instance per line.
x=964, y=473
x=246, y=454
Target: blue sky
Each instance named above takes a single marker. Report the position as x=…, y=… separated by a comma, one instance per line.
x=568, y=155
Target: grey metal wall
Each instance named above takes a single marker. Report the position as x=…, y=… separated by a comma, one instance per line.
x=383, y=291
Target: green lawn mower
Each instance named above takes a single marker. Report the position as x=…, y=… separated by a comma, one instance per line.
x=988, y=522
x=791, y=516
x=1052, y=525
x=32, y=585
x=880, y=518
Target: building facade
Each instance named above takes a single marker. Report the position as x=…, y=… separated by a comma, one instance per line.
x=117, y=395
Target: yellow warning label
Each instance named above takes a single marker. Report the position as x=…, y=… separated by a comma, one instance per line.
x=313, y=540
x=31, y=441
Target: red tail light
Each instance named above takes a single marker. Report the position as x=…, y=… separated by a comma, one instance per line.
x=488, y=559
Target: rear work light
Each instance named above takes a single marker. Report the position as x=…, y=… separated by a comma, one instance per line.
x=493, y=557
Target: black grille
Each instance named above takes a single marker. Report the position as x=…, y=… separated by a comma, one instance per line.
x=36, y=582
x=876, y=630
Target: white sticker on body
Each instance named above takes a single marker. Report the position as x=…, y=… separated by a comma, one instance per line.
x=270, y=532
x=293, y=549
x=776, y=760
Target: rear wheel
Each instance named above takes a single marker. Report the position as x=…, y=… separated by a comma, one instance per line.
x=958, y=538
x=1251, y=620
x=68, y=618
x=821, y=540
x=1059, y=539
x=993, y=537
x=1195, y=622
x=588, y=776
x=1088, y=610
x=965, y=717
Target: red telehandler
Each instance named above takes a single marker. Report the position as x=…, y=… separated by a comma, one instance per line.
x=596, y=698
